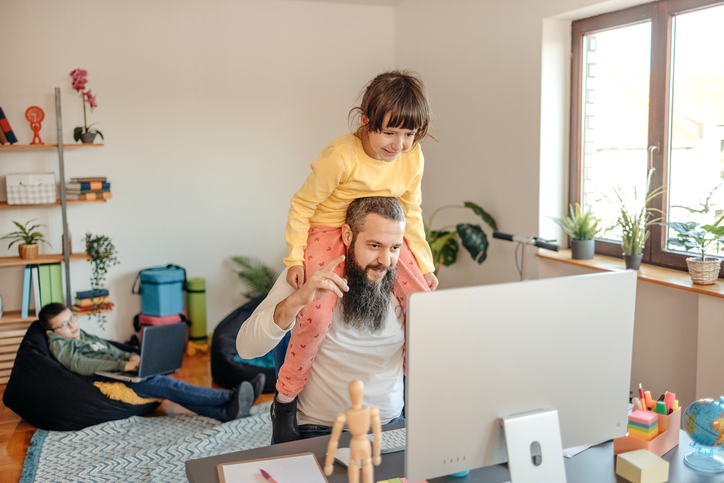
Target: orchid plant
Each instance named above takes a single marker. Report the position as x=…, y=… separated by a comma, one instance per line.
x=80, y=79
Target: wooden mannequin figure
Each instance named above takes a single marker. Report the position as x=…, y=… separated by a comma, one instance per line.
x=359, y=418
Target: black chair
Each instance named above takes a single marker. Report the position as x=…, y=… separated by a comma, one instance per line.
x=49, y=396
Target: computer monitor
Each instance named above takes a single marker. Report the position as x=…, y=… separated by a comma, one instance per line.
x=478, y=354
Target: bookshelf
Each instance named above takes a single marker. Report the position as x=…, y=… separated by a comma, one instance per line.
x=12, y=325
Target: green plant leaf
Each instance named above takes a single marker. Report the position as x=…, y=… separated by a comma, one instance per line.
x=258, y=277
x=76, y=133
x=449, y=252
x=474, y=240
x=482, y=214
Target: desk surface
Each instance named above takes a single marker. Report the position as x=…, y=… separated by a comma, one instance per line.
x=595, y=465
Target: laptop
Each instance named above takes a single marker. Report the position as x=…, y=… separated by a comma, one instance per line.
x=162, y=351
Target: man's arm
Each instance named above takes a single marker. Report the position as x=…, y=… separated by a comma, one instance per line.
x=66, y=352
x=276, y=315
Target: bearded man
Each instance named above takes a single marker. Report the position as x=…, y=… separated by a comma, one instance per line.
x=366, y=338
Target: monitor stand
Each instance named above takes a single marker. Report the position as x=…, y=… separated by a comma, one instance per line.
x=535, y=452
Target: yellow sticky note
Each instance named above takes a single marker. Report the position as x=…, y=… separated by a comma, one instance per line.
x=642, y=466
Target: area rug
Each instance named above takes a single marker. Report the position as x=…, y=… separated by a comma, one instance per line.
x=140, y=449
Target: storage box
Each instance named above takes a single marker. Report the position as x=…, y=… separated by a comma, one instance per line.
x=142, y=321
x=668, y=438
x=162, y=290
x=31, y=188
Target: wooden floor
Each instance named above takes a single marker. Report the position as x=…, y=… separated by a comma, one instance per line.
x=15, y=433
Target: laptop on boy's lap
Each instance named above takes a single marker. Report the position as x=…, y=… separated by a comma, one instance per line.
x=162, y=351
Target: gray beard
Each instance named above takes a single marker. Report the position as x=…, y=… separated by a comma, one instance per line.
x=366, y=304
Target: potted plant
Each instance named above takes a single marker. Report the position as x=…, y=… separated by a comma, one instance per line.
x=444, y=244
x=582, y=227
x=103, y=255
x=258, y=277
x=634, y=223
x=83, y=133
x=28, y=249
x=703, y=270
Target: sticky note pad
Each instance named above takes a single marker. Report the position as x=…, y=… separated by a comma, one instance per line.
x=642, y=467
x=643, y=425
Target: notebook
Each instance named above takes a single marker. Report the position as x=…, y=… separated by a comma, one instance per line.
x=161, y=353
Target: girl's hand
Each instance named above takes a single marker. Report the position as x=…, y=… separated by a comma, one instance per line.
x=295, y=276
x=131, y=365
x=431, y=280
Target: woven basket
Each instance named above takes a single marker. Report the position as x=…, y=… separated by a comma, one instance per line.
x=703, y=273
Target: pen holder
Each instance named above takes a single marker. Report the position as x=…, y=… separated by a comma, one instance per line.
x=669, y=426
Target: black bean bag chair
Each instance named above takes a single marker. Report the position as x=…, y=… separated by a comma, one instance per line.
x=226, y=371
x=49, y=396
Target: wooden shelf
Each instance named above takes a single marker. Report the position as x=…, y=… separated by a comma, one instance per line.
x=13, y=317
x=17, y=146
x=4, y=204
x=648, y=273
x=41, y=260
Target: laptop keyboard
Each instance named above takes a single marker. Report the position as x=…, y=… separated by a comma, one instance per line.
x=392, y=441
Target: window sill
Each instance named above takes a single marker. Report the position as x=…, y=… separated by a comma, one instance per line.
x=648, y=273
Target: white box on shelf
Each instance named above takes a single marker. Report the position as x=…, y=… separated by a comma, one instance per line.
x=31, y=188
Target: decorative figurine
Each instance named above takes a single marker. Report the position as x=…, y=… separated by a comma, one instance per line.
x=35, y=116
x=359, y=418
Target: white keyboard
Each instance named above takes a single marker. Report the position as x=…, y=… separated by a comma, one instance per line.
x=392, y=441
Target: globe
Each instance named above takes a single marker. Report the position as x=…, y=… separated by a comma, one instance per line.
x=704, y=423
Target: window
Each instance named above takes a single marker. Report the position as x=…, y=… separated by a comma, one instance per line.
x=647, y=100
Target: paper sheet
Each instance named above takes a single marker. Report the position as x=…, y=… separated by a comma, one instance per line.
x=291, y=469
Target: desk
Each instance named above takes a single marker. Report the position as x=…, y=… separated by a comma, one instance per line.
x=595, y=465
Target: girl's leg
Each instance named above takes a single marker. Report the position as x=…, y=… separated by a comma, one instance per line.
x=205, y=401
x=313, y=322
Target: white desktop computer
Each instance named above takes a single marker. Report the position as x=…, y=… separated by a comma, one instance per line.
x=476, y=355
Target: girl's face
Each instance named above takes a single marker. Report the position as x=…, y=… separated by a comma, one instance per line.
x=388, y=143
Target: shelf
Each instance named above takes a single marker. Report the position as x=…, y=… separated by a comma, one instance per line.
x=4, y=204
x=17, y=146
x=648, y=273
x=41, y=260
x=13, y=317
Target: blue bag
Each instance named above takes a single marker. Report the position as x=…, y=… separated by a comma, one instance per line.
x=161, y=290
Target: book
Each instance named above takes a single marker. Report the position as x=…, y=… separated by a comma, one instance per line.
x=80, y=192
x=89, y=196
x=36, y=289
x=5, y=127
x=56, y=284
x=3, y=139
x=25, y=308
x=44, y=280
x=88, y=179
x=95, y=301
x=92, y=308
x=86, y=294
x=88, y=185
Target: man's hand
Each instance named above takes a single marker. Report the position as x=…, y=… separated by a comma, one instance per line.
x=132, y=363
x=318, y=286
x=431, y=280
x=295, y=276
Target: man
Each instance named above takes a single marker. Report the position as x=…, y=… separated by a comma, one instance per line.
x=366, y=338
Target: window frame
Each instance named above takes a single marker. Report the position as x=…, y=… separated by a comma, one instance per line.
x=660, y=14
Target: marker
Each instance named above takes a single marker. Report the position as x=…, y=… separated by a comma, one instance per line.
x=637, y=403
x=661, y=407
x=648, y=403
x=642, y=394
x=669, y=398
x=268, y=477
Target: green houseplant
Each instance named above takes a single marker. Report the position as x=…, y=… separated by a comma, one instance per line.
x=634, y=222
x=258, y=277
x=582, y=227
x=103, y=255
x=444, y=242
x=703, y=270
x=29, y=237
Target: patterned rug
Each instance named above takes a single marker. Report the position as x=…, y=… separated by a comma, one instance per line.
x=140, y=449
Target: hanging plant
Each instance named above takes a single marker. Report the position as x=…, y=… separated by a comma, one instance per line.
x=103, y=255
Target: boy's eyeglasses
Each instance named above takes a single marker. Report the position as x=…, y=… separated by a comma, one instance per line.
x=73, y=320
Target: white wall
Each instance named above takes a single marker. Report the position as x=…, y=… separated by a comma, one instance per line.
x=212, y=112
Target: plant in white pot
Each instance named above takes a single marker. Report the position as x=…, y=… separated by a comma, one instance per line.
x=582, y=227
x=703, y=270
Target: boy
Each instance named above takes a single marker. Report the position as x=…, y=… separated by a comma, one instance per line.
x=84, y=354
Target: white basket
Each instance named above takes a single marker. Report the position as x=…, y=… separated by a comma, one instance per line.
x=703, y=272
x=31, y=188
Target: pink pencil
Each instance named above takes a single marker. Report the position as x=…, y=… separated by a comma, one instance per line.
x=268, y=477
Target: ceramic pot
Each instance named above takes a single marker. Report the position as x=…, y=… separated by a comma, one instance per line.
x=583, y=249
x=633, y=262
x=87, y=137
x=703, y=272
x=28, y=252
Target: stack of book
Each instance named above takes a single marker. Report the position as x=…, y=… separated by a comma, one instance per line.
x=92, y=301
x=44, y=283
x=88, y=188
x=6, y=132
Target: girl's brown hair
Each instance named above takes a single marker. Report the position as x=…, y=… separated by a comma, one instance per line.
x=402, y=94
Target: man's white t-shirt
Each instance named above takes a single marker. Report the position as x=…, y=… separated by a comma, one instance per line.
x=346, y=354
